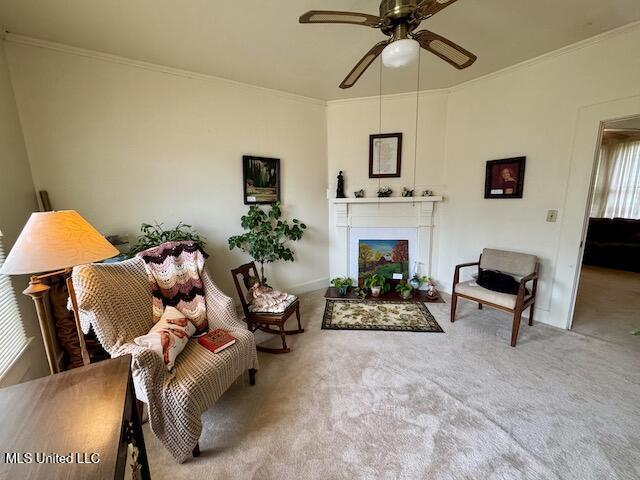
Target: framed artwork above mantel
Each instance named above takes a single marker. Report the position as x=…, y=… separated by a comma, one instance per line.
x=385, y=155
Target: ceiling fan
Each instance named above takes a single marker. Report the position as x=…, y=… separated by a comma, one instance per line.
x=398, y=19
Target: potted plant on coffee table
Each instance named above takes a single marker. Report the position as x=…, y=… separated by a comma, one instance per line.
x=404, y=289
x=342, y=284
x=377, y=283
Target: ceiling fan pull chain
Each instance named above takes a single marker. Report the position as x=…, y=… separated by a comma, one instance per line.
x=380, y=122
x=415, y=140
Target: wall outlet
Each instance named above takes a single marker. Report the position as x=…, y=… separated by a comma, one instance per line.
x=552, y=215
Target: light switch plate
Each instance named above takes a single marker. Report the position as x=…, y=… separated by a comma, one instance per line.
x=552, y=215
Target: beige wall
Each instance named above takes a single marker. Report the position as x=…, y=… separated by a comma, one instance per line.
x=17, y=201
x=125, y=143
x=531, y=110
x=350, y=122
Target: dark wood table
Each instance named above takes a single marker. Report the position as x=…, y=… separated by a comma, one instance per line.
x=79, y=422
x=417, y=296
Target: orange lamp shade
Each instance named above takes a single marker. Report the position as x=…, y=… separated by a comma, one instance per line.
x=55, y=241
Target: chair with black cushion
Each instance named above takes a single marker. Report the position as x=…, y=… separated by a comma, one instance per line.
x=271, y=320
x=522, y=266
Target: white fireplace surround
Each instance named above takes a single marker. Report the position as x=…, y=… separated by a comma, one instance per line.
x=395, y=218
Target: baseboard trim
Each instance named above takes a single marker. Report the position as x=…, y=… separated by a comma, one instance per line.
x=309, y=286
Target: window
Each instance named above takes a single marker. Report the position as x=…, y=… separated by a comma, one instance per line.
x=12, y=335
x=617, y=189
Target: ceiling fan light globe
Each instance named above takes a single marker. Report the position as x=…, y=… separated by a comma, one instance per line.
x=400, y=53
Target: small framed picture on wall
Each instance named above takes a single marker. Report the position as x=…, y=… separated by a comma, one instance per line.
x=385, y=154
x=261, y=178
x=504, y=178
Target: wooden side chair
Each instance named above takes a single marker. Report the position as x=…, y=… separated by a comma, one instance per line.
x=271, y=321
x=520, y=265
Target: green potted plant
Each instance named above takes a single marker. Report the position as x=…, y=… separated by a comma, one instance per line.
x=342, y=284
x=377, y=283
x=418, y=280
x=267, y=237
x=404, y=289
x=154, y=235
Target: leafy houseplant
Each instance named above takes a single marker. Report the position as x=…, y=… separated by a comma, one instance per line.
x=404, y=289
x=342, y=284
x=154, y=235
x=377, y=283
x=267, y=237
x=418, y=280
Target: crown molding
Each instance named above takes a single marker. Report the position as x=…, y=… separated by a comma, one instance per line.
x=506, y=70
x=375, y=98
x=106, y=57
x=115, y=59
x=574, y=47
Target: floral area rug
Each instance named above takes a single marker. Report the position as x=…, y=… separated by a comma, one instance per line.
x=385, y=315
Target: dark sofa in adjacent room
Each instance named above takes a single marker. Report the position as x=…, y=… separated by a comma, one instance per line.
x=613, y=243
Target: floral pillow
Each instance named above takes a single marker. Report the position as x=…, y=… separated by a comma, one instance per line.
x=168, y=336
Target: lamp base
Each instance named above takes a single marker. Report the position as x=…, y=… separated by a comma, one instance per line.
x=36, y=291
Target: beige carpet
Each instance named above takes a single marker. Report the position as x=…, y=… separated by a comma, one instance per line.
x=608, y=305
x=396, y=405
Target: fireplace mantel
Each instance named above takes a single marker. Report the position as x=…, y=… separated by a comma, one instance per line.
x=416, y=213
x=387, y=200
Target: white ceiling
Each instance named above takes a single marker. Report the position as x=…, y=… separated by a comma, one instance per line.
x=260, y=42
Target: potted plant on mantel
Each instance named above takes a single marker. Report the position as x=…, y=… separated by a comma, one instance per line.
x=342, y=284
x=267, y=237
x=404, y=289
x=377, y=284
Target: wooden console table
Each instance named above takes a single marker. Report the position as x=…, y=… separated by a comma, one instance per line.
x=73, y=425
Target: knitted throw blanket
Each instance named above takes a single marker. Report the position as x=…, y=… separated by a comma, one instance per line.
x=174, y=270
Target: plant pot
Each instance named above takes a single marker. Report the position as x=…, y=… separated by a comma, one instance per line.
x=342, y=291
x=405, y=294
x=415, y=284
x=375, y=291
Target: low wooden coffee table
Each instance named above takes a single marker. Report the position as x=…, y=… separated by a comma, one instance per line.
x=416, y=296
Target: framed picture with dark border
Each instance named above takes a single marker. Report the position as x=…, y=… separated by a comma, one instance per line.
x=261, y=179
x=505, y=178
x=385, y=154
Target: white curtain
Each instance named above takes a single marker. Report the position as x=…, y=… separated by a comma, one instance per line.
x=617, y=189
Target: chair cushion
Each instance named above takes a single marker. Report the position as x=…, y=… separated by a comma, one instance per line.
x=515, y=263
x=472, y=289
x=279, y=308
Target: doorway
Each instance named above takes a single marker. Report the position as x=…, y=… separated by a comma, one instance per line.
x=608, y=296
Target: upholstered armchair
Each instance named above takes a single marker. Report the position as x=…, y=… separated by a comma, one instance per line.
x=115, y=299
x=521, y=265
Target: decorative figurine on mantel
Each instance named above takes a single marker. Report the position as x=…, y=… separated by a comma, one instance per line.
x=384, y=192
x=359, y=193
x=406, y=192
x=340, y=190
x=427, y=193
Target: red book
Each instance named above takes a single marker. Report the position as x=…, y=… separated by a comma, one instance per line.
x=217, y=340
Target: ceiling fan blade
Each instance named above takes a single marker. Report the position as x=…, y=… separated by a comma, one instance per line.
x=428, y=8
x=445, y=49
x=329, y=16
x=363, y=64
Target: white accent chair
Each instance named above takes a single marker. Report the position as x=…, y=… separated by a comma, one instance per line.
x=521, y=265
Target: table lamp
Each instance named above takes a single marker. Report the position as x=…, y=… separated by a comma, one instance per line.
x=54, y=243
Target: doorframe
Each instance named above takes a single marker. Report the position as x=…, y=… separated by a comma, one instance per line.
x=587, y=138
